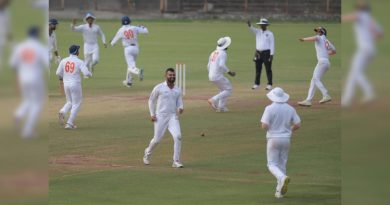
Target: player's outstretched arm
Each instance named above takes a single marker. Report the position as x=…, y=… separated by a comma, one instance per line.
x=312, y=39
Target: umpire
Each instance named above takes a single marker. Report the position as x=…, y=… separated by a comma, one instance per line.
x=265, y=48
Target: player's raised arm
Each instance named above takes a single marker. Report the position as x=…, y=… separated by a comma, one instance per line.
x=75, y=28
x=312, y=38
x=142, y=29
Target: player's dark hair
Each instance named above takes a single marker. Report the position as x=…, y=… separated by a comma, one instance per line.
x=169, y=70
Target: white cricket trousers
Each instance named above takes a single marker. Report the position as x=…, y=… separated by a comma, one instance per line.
x=73, y=94
x=33, y=98
x=277, y=155
x=91, y=55
x=164, y=122
x=225, y=88
x=319, y=71
x=131, y=53
x=357, y=78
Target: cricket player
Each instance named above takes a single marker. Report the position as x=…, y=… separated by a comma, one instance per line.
x=164, y=115
x=265, y=50
x=53, y=41
x=90, y=32
x=30, y=60
x=367, y=31
x=279, y=120
x=217, y=67
x=129, y=35
x=69, y=70
x=324, y=49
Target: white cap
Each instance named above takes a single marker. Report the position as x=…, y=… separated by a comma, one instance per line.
x=224, y=42
x=278, y=95
x=263, y=21
x=89, y=15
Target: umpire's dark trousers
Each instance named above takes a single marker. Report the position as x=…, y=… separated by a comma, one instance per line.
x=260, y=58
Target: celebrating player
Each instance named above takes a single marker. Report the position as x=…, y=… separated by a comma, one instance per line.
x=69, y=70
x=169, y=103
x=279, y=120
x=217, y=67
x=30, y=60
x=90, y=32
x=129, y=35
x=324, y=48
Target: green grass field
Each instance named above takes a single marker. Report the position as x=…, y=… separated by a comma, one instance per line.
x=101, y=162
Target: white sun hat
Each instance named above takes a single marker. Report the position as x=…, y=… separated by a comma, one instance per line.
x=224, y=42
x=263, y=21
x=89, y=15
x=278, y=95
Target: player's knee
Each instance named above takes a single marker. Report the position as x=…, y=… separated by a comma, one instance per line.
x=177, y=137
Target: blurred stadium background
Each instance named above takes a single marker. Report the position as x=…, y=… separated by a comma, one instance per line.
x=324, y=10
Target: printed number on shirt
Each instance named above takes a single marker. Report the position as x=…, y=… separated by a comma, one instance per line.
x=214, y=56
x=129, y=34
x=28, y=55
x=69, y=67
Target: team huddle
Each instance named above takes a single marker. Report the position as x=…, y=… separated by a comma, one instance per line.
x=166, y=101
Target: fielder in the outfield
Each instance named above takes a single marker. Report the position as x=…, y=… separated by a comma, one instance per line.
x=165, y=103
x=129, y=35
x=90, y=32
x=279, y=120
x=53, y=41
x=217, y=67
x=69, y=70
x=265, y=50
x=324, y=49
x=367, y=31
x=30, y=61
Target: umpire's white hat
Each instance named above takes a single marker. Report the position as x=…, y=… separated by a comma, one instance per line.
x=224, y=42
x=263, y=21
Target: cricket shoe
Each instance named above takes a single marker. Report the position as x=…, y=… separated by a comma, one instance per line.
x=284, y=183
x=269, y=87
x=305, y=103
x=61, y=118
x=278, y=195
x=177, y=165
x=212, y=104
x=325, y=99
x=70, y=126
x=223, y=109
x=141, y=74
x=146, y=158
x=254, y=87
x=127, y=84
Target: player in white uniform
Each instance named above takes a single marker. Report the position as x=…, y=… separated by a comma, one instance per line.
x=279, y=120
x=30, y=60
x=69, y=70
x=367, y=31
x=129, y=35
x=217, y=67
x=90, y=32
x=324, y=48
x=53, y=41
x=5, y=31
x=169, y=103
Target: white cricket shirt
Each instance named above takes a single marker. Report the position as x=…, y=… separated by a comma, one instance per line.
x=279, y=117
x=365, y=28
x=89, y=33
x=217, y=64
x=70, y=68
x=129, y=35
x=168, y=100
x=30, y=59
x=52, y=42
x=322, y=46
x=264, y=40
